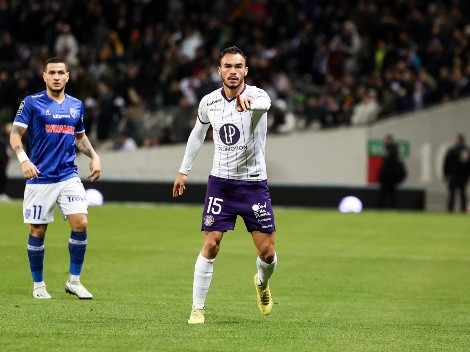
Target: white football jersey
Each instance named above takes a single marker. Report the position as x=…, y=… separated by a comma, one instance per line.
x=239, y=137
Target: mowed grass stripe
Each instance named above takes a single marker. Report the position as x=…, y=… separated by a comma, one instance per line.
x=375, y=281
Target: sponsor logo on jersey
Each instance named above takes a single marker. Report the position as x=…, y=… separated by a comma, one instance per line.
x=208, y=220
x=229, y=134
x=214, y=101
x=60, y=129
x=61, y=116
x=233, y=148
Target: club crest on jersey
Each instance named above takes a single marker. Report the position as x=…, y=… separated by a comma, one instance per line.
x=73, y=113
x=208, y=220
x=27, y=213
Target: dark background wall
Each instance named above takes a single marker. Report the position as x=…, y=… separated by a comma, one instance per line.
x=283, y=195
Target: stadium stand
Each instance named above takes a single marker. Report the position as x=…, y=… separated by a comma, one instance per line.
x=141, y=66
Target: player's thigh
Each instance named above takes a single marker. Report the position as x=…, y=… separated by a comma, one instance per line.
x=257, y=211
x=72, y=198
x=39, y=202
x=218, y=213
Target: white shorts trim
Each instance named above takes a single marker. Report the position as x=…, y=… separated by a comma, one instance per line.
x=40, y=200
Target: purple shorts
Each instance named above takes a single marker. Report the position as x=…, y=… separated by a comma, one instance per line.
x=225, y=199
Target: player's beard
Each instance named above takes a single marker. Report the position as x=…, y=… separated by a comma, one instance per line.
x=232, y=86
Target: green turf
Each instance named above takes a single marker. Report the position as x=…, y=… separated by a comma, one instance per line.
x=375, y=281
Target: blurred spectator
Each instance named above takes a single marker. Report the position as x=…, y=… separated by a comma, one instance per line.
x=112, y=50
x=456, y=171
x=167, y=136
x=5, y=155
x=126, y=142
x=312, y=55
x=66, y=45
x=281, y=119
x=367, y=110
x=391, y=174
x=351, y=43
x=424, y=89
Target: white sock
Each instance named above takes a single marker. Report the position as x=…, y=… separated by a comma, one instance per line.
x=203, y=271
x=39, y=284
x=265, y=270
x=74, y=278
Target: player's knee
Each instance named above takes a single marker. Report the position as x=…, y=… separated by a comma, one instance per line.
x=267, y=257
x=37, y=230
x=267, y=253
x=79, y=224
x=212, y=248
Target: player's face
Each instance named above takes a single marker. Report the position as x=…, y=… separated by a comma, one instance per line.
x=232, y=70
x=56, y=76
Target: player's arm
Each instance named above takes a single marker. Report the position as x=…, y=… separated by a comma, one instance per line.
x=16, y=141
x=195, y=142
x=260, y=103
x=83, y=145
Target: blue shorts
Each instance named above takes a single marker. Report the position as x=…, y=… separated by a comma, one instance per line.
x=226, y=199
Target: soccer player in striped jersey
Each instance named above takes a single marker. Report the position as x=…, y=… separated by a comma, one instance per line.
x=54, y=121
x=237, y=184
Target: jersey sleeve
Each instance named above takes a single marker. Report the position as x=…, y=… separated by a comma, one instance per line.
x=261, y=100
x=80, y=127
x=195, y=142
x=24, y=113
x=196, y=137
x=202, y=110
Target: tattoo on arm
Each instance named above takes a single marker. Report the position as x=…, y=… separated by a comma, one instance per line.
x=85, y=147
x=20, y=132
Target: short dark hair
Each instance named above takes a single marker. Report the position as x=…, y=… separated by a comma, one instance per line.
x=56, y=60
x=460, y=138
x=232, y=50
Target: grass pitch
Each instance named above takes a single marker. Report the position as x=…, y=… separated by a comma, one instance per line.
x=375, y=281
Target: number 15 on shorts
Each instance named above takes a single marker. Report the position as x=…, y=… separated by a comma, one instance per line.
x=214, y=206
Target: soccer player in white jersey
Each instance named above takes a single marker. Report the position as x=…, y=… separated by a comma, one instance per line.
x=237, y=184
x=54, y=121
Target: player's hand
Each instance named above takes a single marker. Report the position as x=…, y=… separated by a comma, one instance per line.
x=95, y=169
x=30, y=170
x=180, y=185
x=243, y=104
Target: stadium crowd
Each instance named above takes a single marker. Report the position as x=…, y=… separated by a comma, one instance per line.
x=141, y=66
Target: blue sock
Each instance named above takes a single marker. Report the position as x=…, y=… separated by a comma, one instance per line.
x=36, y=257
x=77, y=249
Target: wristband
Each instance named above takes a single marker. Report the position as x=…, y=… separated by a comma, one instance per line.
x=22, y=157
